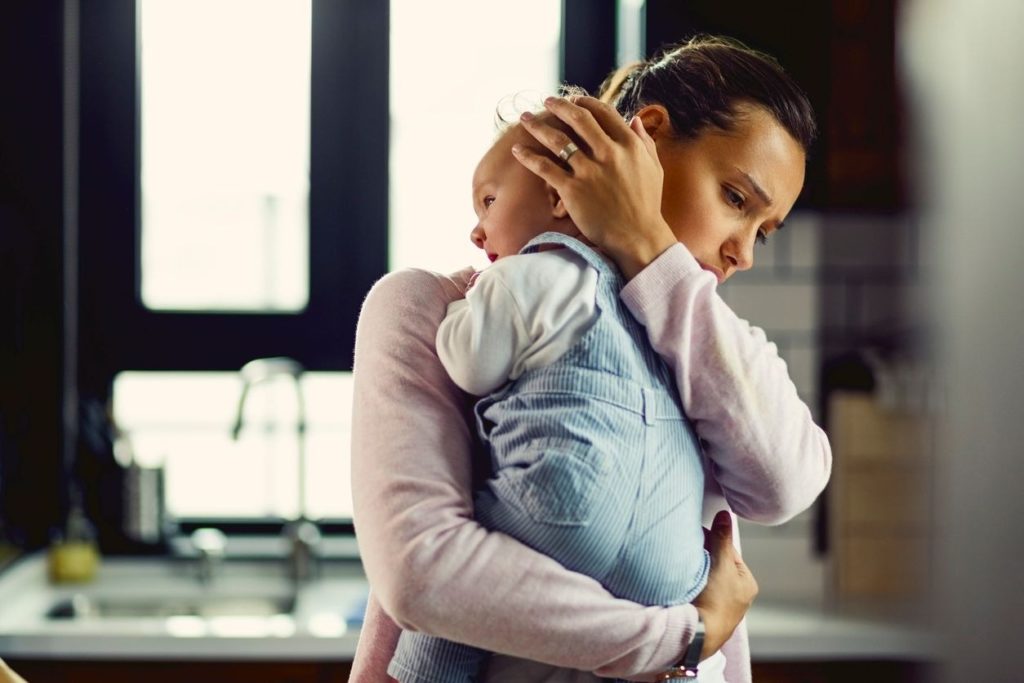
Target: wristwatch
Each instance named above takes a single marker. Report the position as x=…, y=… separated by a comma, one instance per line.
x=687, y=666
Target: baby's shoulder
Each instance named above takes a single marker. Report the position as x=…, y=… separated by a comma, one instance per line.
x=541, y=267
x=545, y=278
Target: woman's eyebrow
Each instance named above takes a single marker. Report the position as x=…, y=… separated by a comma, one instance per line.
x=756, y=187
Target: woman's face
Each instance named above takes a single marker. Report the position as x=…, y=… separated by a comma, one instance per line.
x=725, y=190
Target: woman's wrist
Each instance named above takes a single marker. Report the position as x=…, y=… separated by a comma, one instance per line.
x=637, y=253
x=714, y=633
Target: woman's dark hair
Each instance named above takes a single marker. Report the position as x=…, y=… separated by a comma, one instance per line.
x=701, y=81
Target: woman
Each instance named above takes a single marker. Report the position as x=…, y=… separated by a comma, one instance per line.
x=712, y=161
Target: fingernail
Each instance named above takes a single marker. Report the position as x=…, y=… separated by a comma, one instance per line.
x=526, y=116
x=550, y=100
x=517, y=149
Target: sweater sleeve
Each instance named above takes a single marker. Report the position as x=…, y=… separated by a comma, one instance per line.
x=430, y=565
x=378, y=638
x=766, y=452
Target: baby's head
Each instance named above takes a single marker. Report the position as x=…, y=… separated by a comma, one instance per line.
x=512, y=204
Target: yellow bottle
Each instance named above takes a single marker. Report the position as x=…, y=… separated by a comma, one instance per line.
x=74, y=556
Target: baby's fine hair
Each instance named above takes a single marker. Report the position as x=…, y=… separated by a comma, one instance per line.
x=510, y=107
x=702, y=80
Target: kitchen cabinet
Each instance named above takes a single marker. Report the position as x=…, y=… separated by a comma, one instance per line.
x=881, y=502
x=843, y=54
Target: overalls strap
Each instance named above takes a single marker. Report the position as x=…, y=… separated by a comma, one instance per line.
x=587, y=253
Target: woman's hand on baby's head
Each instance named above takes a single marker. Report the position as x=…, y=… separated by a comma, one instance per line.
x=611, y=186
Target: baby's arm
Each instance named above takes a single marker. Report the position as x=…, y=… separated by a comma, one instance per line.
x=482, y=335
x=521, y=313
x=767, y=454
x=431, y=566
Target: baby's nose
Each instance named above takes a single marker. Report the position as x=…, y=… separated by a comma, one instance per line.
x=477, y=237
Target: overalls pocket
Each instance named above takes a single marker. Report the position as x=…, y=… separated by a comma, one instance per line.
x=560, y=482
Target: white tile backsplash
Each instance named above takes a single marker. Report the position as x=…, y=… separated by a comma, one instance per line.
x=777, y=307
x=803, y=231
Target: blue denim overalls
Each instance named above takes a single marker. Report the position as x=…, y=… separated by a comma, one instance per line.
x=595, y=465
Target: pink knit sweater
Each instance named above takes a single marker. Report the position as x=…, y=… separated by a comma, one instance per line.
x=432, y=568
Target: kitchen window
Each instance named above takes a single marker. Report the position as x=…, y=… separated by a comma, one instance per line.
x=233, y=206
x=194, y=263
x=224, y=154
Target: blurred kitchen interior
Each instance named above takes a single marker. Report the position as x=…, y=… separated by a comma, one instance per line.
x=891, y=293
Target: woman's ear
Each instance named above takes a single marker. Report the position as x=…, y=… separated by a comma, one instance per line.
x=656, y=120
x=558, y=209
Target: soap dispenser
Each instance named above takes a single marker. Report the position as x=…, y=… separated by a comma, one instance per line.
x=74, y=556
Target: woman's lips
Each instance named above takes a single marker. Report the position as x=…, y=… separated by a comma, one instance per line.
x=717, y=272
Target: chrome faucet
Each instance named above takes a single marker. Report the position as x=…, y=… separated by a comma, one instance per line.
x=302, y=534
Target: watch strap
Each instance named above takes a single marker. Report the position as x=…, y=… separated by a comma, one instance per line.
x=692, y=656
x=687, y=666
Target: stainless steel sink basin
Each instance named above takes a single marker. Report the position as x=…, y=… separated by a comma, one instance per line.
x=157, y=607
x=81, y=606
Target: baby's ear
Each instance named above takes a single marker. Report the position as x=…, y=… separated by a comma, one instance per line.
x=558, y=209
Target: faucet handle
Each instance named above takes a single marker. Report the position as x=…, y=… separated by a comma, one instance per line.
x=304, y=539
x=209, y=544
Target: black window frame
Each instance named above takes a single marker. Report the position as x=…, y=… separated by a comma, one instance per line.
x=348, y=207
x=348, y=204
x=348, y=215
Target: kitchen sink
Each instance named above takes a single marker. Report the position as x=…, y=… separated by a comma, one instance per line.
x=148, y=604
x=84, y=606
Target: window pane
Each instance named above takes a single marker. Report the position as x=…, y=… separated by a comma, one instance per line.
x=225, y=154
x=184, y=420
x=445, y=86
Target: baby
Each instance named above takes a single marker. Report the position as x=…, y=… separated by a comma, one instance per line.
x=593, y=461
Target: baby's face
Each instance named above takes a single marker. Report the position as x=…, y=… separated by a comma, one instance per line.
x=512, y=204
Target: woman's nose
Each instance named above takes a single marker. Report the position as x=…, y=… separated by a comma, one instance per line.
x=739, y=252
x=477, y=237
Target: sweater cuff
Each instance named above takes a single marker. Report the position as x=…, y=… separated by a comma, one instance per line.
x=672, y=266
x=678, y=634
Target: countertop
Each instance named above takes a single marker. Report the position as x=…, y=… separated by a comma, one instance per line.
x=778, y=632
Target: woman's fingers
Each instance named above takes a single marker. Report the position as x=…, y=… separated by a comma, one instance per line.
x=552, y=138
x=595, y=123
x=550, y=172
x=606, y=116
x=648, y=142
x=579, y=119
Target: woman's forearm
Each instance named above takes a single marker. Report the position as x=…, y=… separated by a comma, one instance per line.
x=768, y=455
x=378, y=638
x=432, y=567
